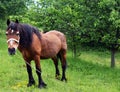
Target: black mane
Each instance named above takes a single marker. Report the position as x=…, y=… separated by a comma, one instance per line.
x=26, y=34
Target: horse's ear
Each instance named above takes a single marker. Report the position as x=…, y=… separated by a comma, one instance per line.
x=16, y=21
x=8, y=22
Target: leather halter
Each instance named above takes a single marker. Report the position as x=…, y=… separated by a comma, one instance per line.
x=12, y=39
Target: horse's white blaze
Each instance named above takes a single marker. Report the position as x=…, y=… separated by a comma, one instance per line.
x=11, y=42
x=12, y=31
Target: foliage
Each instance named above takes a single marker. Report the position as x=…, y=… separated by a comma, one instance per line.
x=13, y=7
x=112, y=20
x=102, y=21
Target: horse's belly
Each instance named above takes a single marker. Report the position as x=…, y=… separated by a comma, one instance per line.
x=50, y=51
x=48, y=54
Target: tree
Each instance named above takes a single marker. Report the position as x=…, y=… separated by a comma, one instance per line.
x=102, y=24
x=111, y=19
x=12, y=7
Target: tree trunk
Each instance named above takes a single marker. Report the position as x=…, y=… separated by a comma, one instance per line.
x=112, y=58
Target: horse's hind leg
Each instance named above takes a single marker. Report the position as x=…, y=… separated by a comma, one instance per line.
x=64, y=64
x=55, y=60
x=31, y=79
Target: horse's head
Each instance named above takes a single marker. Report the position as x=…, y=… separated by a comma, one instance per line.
x=13, y=36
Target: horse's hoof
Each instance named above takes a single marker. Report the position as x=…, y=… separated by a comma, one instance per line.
x=42, y=85
x=64, y=79
x=30, y=84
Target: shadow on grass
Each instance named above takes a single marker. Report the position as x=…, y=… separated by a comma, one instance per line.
x=86, y=68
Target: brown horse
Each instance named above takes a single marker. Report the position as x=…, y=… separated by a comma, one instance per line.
x=35, y=46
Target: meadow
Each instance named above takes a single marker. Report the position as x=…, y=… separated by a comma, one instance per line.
x=90, y=72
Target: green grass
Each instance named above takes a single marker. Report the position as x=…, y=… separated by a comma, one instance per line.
x=90, y=72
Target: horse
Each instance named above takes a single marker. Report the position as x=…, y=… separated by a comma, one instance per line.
x=35, y=45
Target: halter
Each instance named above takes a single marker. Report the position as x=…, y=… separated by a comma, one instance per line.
x=12, y=39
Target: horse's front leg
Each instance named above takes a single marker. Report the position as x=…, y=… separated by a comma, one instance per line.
x=30, y=76
x=41, y=83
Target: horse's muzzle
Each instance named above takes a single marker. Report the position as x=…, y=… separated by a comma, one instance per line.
x=11, y=51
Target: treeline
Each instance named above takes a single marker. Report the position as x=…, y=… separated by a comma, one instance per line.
x=85, y=22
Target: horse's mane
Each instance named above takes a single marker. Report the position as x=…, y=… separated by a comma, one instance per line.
x=26, y=34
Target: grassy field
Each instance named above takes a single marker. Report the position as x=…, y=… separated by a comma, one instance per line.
x=90, y=72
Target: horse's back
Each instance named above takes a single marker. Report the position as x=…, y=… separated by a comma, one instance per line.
x=61, y=36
